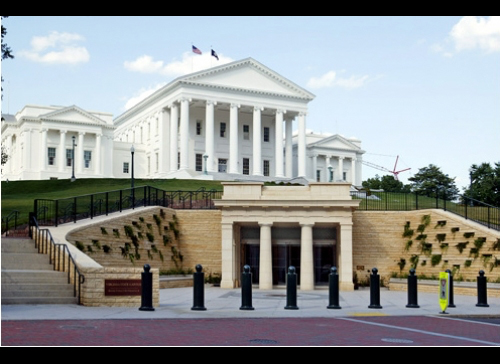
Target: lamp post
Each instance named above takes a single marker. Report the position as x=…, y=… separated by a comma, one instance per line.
x=73, y=160
x=132, y=150
x=205, y=157
x=330, y=174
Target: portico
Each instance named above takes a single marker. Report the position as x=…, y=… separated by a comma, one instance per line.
x=297, y=224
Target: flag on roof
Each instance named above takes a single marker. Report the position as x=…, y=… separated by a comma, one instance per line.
x=196, y=50
x=215, y=54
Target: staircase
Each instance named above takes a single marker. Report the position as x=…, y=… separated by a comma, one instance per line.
x=29, y=278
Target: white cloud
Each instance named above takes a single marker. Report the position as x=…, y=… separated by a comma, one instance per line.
x=142, y=94
x=57, y=48
x=477, y=33
x=189, y=63
x=331, y=79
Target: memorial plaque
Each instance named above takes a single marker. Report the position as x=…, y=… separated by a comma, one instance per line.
x=122, y=287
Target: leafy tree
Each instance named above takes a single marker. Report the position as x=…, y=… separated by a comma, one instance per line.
x=431, y=180
x=387, y=183
x=485, y=183
x=6, y=51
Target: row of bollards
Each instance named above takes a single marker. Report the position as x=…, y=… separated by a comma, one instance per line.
x=291, y=290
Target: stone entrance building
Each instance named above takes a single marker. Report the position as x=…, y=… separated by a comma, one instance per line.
x=273, y=227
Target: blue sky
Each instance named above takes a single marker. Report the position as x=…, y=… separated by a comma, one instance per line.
x=424, y=88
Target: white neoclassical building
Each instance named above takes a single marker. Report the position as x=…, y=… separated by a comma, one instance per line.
x=235, y=121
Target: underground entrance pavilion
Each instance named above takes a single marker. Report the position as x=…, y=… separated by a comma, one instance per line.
x=273, y=227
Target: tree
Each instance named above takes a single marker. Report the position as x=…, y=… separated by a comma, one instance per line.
x=430, y=180
x=485, y=183
x=387, y=183
x=6, y=51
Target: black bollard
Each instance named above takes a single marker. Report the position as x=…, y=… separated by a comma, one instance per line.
x=333, y=280
x=146, y=289
x=412, y=290
x=451, y=304
x=374, y=289
x=481, y=290
x=246, y=289
x=291, y=289
x=198, y=289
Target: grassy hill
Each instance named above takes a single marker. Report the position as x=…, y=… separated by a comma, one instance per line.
x=20, y=195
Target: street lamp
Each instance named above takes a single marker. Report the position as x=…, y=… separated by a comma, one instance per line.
x=330, y=173
x=205, y=157
x=132, y=150
x=73, y=160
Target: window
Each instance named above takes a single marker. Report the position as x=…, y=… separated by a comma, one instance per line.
x=246, y=132
x=266, y=168
x=318, y=175
x=125, y=167
x=198, y=127
x=222, y=130
x=87, y=157
x=52, y=156
x=199, y=162
x=69, y=157
x=266, y=134
x=222, y=165
x=344, y=176
x=246, y=166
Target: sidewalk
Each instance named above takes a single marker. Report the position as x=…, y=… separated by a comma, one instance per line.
x=176, y=303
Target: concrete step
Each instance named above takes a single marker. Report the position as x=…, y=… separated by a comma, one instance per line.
x=39, y=301
x=10, y=276
x=17, y=245
x=23, y=261
x=44, y=290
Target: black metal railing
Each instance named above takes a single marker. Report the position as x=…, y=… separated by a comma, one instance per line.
x=59, y=211
x=59, y=256
x=10, y=222
x=463, y=206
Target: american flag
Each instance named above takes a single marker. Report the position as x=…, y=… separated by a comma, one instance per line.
x=196, y=50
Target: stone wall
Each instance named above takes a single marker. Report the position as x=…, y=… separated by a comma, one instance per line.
x=378, y=241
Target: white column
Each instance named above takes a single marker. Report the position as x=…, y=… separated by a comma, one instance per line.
x=278, y=154
x=302, y=146
x=353, y=171
x=8, y=165
x=174, y=131
x=162, y=153
x=79, y=153
x=210, y=135
x=306, y=257
x=233, y=139
x=257, y=141
x=97, y=157
x=228, y=278
x=327, y=170
x=266, y=258
x=344, y=256
x=27, y=149
x=44, y=154
x=315, y=167
x=62, y=150
x=184, y=131
x=341, y=169
x=289, y=148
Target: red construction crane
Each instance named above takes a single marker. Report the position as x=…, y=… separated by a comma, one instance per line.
x=394, y=172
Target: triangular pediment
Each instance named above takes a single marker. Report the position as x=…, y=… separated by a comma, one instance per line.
x=72, y=114
x=247, y=75
x=335, y=142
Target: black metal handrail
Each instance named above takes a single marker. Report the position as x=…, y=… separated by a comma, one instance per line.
x=5, y=222
x=59, y=256
x=54, y=212
x=468, y=208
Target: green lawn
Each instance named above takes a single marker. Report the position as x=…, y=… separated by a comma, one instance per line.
x=20, y=195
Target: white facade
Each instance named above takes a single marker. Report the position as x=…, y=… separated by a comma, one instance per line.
x=229, y=122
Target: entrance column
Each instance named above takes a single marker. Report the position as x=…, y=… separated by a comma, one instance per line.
x=266, y=257
x=209, y=136
x=79, y=152
x=228, y=256
x=306, y=257
x=353, y=171
x=98, y=147
x=341, y=169
x=344, y=254
x=233, y=139
x=62, y=149
x=302, y=146
x=174, y=131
